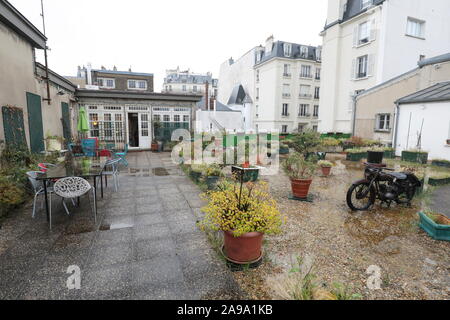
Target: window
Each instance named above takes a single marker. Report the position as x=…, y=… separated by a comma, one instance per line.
x=176, y=118
x=304, y=110
x=131, y=84
x=361, y=67
x=185, y=118
x=119, y=127
x=142, y=85
x=317, y=93
x=157, y=118
x=383, y=122
x=305, y=72
x=304, y=52
x=107, y=127
x=363, y=33
x=415, y=28
x=257, y=75
x=301, y=127
x=184, y=87
x=284, y=129
x=305, y=91
x=94, y=125
x=257, y=111
x=315, y=128
x=316, y=111
x=286, y=91
x=106, y=83
x=365, y=4
x=194, y=89
x=285, y=110
x=287, y=70
x=318, y=70
x=257, y=94
x=287, y=49
x=166, y=118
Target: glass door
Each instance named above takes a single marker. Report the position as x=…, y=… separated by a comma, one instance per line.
x=144, y=131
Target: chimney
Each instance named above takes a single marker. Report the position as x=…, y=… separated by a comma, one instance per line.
x=115, y=68
x=89, y=74
x=206, y=95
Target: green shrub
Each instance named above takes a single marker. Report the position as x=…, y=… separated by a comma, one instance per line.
x=306, y=142
x=11, y=196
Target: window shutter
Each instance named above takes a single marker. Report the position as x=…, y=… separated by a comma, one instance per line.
x=353, y=71
x=355, y=36
x=373, y=30
x=371, y=65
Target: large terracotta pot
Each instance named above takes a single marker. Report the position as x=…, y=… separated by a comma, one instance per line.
x=244, y=249
x=300, y=188
x=326, y=171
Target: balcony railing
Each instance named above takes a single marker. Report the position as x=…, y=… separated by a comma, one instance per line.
x=305, y=96
x=305, y=115
x=285, y=114
x=306, y=76
x=286, y=95
x=287, y=75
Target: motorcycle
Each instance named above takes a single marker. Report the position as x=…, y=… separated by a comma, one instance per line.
x=384, y=184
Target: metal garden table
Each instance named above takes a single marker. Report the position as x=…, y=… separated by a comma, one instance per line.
x=84, y=167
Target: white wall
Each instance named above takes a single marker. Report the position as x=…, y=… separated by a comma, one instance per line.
x=436, y=128
x=402, y=52
x=228, y=120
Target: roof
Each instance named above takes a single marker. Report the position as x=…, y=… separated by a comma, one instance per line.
x=278, y=52
x=124, y=73
x=189, y=78
x=239, y=96
x=434, y=60
x=21, y=25
x=85, y=93
x=436, y=93
x=219, y=106
x=352, y=9
x=56, y=78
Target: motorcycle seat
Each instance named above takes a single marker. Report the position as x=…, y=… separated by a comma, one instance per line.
x=398, y=175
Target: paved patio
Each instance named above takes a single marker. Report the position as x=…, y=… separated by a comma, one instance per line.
x=146, y=244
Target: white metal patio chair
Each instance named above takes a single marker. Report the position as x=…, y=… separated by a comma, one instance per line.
x=38, y=189
x=112, y=169
x=73, y=188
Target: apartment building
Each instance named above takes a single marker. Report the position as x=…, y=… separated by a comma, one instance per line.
x=277, y=86
x=187, y=82
x=367, y=42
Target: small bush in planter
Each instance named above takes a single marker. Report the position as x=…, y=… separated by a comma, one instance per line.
x=212, y=174
x=441, y=163
x=300, y=171
x=356, y=154
x=325, y=166
x=196, y=172
x=415, y=156
x=244, y=213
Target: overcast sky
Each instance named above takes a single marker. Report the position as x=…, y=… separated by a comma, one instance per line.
x=155, y=35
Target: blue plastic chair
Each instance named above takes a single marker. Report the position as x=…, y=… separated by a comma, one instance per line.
x=123, y=155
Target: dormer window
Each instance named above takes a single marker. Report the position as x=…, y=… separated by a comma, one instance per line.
x=287, y=49
x=304, y=52
x=106, y=83
x=366, y=3
x=137, y=84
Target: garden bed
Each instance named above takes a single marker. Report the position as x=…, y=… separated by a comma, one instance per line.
x=434, y=230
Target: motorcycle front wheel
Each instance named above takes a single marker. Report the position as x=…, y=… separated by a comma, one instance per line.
x=360, y=196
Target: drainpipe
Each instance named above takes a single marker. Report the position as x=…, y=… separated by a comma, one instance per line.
x=397, y=117
x=47, y=79
x=354, y=115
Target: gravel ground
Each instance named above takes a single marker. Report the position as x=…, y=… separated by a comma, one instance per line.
x=342, y=245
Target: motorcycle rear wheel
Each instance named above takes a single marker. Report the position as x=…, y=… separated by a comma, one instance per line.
x=360, y=197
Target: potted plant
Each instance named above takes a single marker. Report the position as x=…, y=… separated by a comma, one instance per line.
x=356, y=154
x=244, y=213
x=196, y=172
x=212, y=174
x=54, y=143
x=300, y=171
x=375, y=155
x=435, y=224
x=284, y=147
x=326, y=167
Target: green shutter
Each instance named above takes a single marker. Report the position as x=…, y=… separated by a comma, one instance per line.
x=67, y=131
x=13, y=126
x=35, y=123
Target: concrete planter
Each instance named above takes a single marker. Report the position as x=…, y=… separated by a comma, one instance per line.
x=434, y=230
x=249, y=174
x=389, y=154
x=356, y=156
x=411, y=156
x=439, y=163
x=438, y=182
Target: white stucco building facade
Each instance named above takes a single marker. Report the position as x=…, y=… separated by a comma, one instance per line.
x=276, y=86
x=367, y=42
x=187, y=82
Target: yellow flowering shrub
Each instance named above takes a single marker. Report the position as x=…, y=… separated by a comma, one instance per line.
x=241, y=209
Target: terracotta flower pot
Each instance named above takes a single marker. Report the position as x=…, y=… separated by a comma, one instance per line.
x=244, y=249
x=154, y=147
x=300, y=187
x=246, y=165
x=326, y=171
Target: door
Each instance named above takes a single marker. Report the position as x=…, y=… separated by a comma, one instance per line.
x=65, y=119
x=35, y=126
x=13, y=126
x=144, y=131
x=133, y=130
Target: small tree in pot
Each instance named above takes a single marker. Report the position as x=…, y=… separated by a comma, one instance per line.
x=244, y=213
x=300, y=171
x=326, y=167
